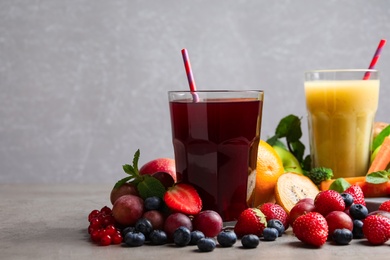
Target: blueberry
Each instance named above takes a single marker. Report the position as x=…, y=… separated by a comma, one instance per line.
x=182, y=236
x=277, y=224
x=342, y=236
x=195, y=236
x=144, y=226
x=357, y=230
x=134, y=239
x=206, y=244
x=226, y=238
x=127, y=230
x=152, y=203
x=348, y=199
x=250, y=241
x=358, y=211
x=270, y=234
x=158, y=237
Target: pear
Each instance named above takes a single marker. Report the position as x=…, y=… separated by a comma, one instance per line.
x=290, y=163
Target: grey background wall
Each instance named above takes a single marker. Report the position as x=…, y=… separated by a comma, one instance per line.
x=84, y=82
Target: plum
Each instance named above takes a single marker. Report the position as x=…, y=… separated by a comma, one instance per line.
x=127, y=209
x=299, y=209
x=156, y=218
x=174, y=221
x=208, y=222
x=124, y=189
x=338, y=220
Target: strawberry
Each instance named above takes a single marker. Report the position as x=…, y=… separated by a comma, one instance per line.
x=183, y=198
x=250, y=221
x=357, y=194
x=311, y=228
x=327, y=201
x=385, y=206
x=376, y=229
x=275, y=211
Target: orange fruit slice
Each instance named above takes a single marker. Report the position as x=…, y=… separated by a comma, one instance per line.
x=292, y=187
x=269, y=168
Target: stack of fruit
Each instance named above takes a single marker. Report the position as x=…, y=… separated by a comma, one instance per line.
x=149, y=206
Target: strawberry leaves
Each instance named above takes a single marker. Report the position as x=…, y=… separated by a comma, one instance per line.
x=147, y=185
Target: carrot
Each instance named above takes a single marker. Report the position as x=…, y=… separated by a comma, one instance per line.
x=382, y=159
x=324, y=185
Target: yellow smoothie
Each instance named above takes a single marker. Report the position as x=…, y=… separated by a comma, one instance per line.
x=340, y=117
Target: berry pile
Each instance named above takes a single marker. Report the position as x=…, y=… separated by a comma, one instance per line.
x=153, y=209
x=102, y=228
x=339, y=217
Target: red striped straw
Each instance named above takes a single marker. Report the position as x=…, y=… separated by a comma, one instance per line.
x=190, y=75
x=375, y=59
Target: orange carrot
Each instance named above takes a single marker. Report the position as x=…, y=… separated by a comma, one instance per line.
x=324, y=185
x=382, y=159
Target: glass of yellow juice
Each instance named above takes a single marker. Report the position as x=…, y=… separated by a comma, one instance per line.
x=341, y=109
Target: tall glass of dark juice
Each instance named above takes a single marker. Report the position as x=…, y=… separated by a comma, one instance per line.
x=215, y=137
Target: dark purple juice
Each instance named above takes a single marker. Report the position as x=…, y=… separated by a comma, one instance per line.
x=215, y=144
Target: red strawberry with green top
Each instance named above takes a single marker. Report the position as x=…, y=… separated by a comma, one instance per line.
x=250, y=221
x=376, y=229
x=327, y=201
x=183, y=198
x=311, y=228
x=385, y=206
x=275, y=211
x=357, y=194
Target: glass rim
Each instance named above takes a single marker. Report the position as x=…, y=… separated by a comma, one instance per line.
x=216, y=91
x=340, y=70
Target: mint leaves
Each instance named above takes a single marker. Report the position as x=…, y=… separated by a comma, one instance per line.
x=378, y=177
x=147, y=185
x=289, y=128
x=339, y=185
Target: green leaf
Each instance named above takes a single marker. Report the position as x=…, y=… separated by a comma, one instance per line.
x=380, y=137
x=128, y=169
x=340, y=185
x=135, y=161
x=289, y=127
x=122, y=181
x=298, y=149
x=149, y=187
x=378, y=177
x=306, y=164
x=274, y=140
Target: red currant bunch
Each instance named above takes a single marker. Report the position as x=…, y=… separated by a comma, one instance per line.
x=102, y=227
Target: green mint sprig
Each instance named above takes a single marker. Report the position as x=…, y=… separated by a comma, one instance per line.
x=289, y=128
x=378, y=177
x=147, y=185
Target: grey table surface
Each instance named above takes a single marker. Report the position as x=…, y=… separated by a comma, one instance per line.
x=50, y=222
